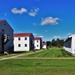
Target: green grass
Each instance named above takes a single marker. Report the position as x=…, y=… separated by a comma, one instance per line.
x=23, y=66
x=37, y=67
x=52, y=52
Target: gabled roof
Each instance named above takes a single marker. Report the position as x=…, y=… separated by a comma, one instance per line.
x=2, y=20
x=37, y=38
x=6, y=23
x=22, y=34
x=44, y=43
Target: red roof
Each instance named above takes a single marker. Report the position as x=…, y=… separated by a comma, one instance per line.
x=37, y=38
x=2, y=20
x=44, y=43
x=22, y=34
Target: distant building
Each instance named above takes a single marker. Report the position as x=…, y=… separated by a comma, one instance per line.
x=6, y=37
x=44, y=45
x=37, y=43
x=69, y=44
x=23, y=41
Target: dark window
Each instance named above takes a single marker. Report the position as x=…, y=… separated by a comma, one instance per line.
x=5, y=24
x=37, y=41
x=3, y=30
x=19, y=39
x=25, y=45
x=37, y=45
x=19, y=45
x=25, y=38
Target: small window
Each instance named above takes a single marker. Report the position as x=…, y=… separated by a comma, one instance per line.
x=37, y=41
x=37, y=45
x=3, y=30
x=19, y=45
x=25, y=45
x=25, y=38
x=5, y=24
x=19, y=39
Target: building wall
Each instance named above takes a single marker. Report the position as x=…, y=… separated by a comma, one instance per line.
x=22, y=42
x=44, y=47
x=9, y=31
x=31, y=42
x=37, y=44
x=68, y=45
x=73, y=45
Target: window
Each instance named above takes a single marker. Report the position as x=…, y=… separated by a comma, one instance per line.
x=37, y=45
x=3, y=30
x=25, y=45
x=5, y=24
x=19, y=45
x=25, y=38
x=19, y=38
x=37, y=41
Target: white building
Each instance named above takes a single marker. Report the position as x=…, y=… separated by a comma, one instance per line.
x=6, y=37
x=37, y=43
x=23, y=42
x=44, y=45
x=69, y=44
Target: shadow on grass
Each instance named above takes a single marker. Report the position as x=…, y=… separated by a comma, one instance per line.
x=66, y=53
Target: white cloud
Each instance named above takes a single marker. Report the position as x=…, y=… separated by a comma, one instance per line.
x=55, y=37
x=41, y=36
x=46, y=30
x=34, y=12
x=17, y=11
x=5, y=14
x=34, y=24
x=69, y=34
x=50, y=21
x=35, y=34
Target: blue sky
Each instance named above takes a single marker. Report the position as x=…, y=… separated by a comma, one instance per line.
x=45, y=18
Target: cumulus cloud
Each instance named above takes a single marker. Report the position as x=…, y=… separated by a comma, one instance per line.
x=35, y=34
x=41, y=36
x=69, y=34
x=46, y=30
x=17, y=11
x=5, y=14
x=55, y=37
x=34, y=12
x=50, y=21
x=34, y=24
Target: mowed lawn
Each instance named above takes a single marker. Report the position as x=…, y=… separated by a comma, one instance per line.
x=51, y=52
x=21, y=66
x=37, y=67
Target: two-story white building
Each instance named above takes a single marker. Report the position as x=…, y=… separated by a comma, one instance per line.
x=6, y=37
x=37, y=43
x=69, y=44
x=23, y=42
x=44, y=45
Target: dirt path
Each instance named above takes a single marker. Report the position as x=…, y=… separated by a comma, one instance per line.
x=47, y=58
x=16, y=56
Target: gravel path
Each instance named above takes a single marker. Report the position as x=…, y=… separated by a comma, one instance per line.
x=16, y=56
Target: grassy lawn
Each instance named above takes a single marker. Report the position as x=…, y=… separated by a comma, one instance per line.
x=52, y=52
x=37, y=67
x=23, y=66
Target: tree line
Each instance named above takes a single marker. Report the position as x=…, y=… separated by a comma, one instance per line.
x=55, y=42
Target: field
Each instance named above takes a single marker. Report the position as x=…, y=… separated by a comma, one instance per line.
x=50, y=53
x=22, y=66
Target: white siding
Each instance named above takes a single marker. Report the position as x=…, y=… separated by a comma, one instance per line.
x=70, y=45
x=22, y=42
x=44, y=47
x=37, y=44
